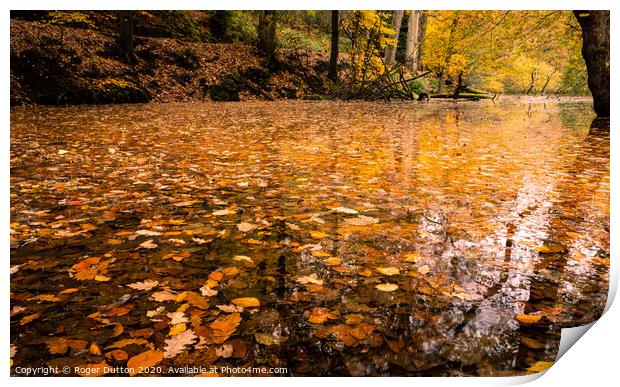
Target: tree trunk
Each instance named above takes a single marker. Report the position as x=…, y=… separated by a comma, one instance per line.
x=411, y=49
x=448, y=57
x=595, y=51
x=125, y=38
x=421, y=38
x=333, y=55
x=267, y=35
x=390, y=50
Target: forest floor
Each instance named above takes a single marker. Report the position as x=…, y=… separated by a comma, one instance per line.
x=64, y=65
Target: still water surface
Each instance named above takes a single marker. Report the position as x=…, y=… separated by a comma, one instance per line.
x=491, y=218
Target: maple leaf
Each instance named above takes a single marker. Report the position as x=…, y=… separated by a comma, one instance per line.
x=144, y=361
x=146, y=285
x=177, y=343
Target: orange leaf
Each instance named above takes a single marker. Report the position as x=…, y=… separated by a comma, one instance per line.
x=144, y=360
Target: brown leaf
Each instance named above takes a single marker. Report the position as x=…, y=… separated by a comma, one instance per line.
x=144, y=360
x=177, y=343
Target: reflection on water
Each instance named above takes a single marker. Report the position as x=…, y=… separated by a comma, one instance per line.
x=488, y=211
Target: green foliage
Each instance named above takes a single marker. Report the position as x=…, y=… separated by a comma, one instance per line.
x=180, y=25
x=299, y=40
x=70, y=19
x=116, y=90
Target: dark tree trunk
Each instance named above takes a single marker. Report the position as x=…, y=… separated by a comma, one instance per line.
x=333, y=56
x=421, y=38
x=267, y=35
x=595, y=50
x=125, y=38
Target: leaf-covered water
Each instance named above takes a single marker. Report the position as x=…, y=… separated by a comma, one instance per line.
x=327, y=238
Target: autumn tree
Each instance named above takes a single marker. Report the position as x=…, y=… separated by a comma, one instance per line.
x=391, y=47
x=411, y=48
x=595, y=50
x=267, y=35
x=333, y=55
x=126, y=37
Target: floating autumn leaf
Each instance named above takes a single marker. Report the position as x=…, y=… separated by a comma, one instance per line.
x=551, y=248
x=246, y=302
x=143, y=361
x=216, y=275
x=148, y=244
x=269, y=339
x=194, y=299
x=148, y=233
x=246, y=227
x=177, y=256
x=320, y=253
x=365, y=273
x=163, y=295
x=320, y=315
x=230, y=308
x=361, y=220
x=224, y=351
x=344, y=210
x=222, y=328
x=317, y=234
x=101, y=278
x=293, y=226
x=207, y=291
x=528, y=318
x=310, y=279
x=412, y=257
x=125, y=342
x=224, y=212
x=423, y=269
x=333, y=261
x=242, y=258
x=540, y=366
x=230, y=271
x=388, y=270
x=177, y=318
x=186, y=203
x=145, y=285
x=117, y=355
x=177, y=329
x=121, y=311
x=69, y=291
x=47, y=297
x=387, y=287
x=94, y=349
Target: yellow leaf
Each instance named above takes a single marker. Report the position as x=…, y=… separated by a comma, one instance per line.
x=529, y=318
x=333, y=261
x=388, y=270
x=540, y=366
x=317, y=234
x=47, y=297
x=412, y=257
x=246, y=302
x=179, y=328
x=320, y=254
x=551, y=248
x=387, y=287
x=144, y=360
x=102, y=278
x=69, y=291
x=29, y=318
x=94, y=349
x=365, y=273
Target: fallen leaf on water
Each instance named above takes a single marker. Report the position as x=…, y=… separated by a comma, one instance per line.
x=207, y=291
x=310, y=279
x=540, y=366
x=177, y=256
x=186, y=203
x=118, y=312
x=144, y=360
x=317, y=234
x=269, y=339
x=320, y=315
x=528, y=318
x=361, y=220
x=246, y=302
x=125, y=342
x=551, y=248
x=224, y=351
x=69, y=291
x=344, y=210
x=388, y=270
x=102, y=278
x=47, y=297
x=412, y=257
x=222, y=328
x=146, y=285
x=365, y=273
x=94, y=349
x=223, y=212
x=242, y=258
x=333, y=261
x=177, y=343
x=117, y=355
x=387, y=287
x=148, y=233
x=230, y=308
x=246, y=227
x=424, y=269
x=177, y=318
x=178, y=328
x=148, y=244
x=163, y=295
